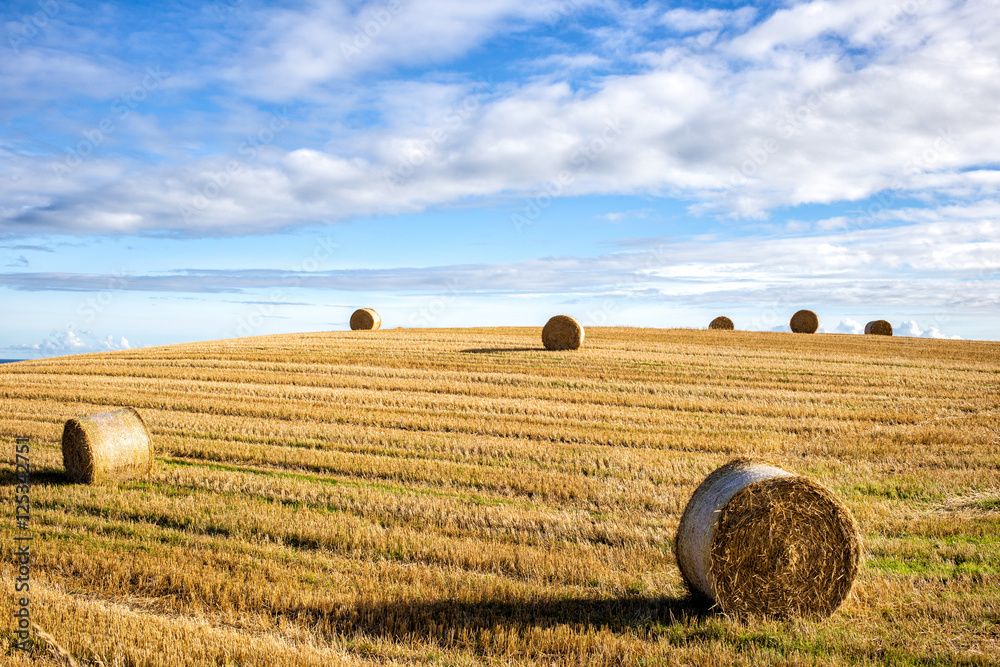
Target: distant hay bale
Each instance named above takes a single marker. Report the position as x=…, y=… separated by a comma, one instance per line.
x=562, y=332
x=759, y=540
x=365, y=319
x=722, y=322
x=107, y=447
x=804, y=321
x=878, y=328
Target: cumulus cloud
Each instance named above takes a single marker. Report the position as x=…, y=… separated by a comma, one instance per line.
x=912, y=329
x=65, y=342
x=818, y=102
x=847, y=326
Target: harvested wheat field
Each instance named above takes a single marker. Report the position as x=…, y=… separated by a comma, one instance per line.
x=464, y=497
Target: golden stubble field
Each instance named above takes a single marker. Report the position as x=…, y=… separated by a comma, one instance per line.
x=462, y=497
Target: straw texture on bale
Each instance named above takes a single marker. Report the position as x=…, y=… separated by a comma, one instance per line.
x=562, y=332
x=722, y=322
x=804, y=321
x=365, y=319
x=107, y=447
x=758, y=540
x=878, y=328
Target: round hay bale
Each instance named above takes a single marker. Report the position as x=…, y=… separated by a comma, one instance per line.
x=878, y=328
x=804, y=321
x=562, y=332
x=756, y=539
x=107, y=447
x=722, y=322
x=365, y=319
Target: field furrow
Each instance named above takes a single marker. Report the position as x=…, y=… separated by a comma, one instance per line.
x=465, y=497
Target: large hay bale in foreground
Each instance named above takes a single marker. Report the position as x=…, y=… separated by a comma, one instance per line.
x=878, y=328
x=562, y=332
x=365, y=319
x=107, y=447
x=722, y=322
x=804, y=321
x=759, y=540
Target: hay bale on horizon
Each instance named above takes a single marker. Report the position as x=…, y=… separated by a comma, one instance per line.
x=804, y=321
x=722, y=323
x=758, y=540
x=365, y=319
x=107, y=447
x=878, y=328
x=562, y=332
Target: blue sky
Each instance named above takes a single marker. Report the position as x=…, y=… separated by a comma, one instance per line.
x=192, y=171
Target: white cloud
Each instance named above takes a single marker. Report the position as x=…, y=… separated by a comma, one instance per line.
x=622, y=216
x=297, y=50
x=779, y=114
x=912, y=329
x=69, y=341
x=912, y=266
x=35, y=76
x=847, y=326
x=688, y=20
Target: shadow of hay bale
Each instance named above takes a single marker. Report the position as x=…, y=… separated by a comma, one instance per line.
x=493, y=350
x=38, y=478
x=443, y=621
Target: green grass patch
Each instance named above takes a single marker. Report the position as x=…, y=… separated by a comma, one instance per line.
x=902, y=489
x=938, y=558
x=989, y=504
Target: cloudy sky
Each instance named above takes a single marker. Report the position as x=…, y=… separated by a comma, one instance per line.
x=194, y=171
